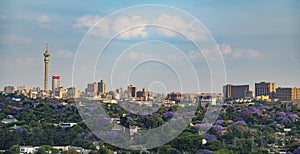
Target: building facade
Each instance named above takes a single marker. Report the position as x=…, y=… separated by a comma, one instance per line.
x=55, y=82
x=265, y=89
x=143, y=95
x=73, y=92
x=92, y=89
x=101, y=87
x=9, y=89
x=235, y=91
x=287, y=94
x=131, y=91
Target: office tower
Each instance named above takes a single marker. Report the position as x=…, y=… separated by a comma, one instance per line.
x=143, y=95
x=92, y=89
x=59, y=92
x=174, y=96
x=46, y=60
x=265, y=89
x=55, y=82
x=131, y=91
x=9, y=89
x=101, y=87
x=286, y=94
x=235, y=91
x=73, y=92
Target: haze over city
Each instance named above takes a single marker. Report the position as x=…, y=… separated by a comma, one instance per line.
x=258, y=42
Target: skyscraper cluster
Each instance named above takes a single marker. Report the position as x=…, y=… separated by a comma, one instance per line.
x=263, y=91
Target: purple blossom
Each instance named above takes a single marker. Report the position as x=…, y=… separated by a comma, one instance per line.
x=203, y=127
x=56, y=105
x=272, y=112
x=238, y=119
x=210, y=137
x=129, y=119
x=218, y=128
x=286, y=119
x=219, y=117
x=112, y=133
x=219, y=122
x=204, y=151
x=246, y=113
x=70, y=106
x=50, y=100
x=2, y=105
x=168, y=114
x=281, y=114
x=15, y=111
x=253, y=131
x=86, y=135
x=144, y=113
x=173, y=120
x=283, y=118
x=297, y=150
x=142, y=125
x=274, y=123
x=257, y=111
x=59, y=110
x=154, y=114
x=293, y=116
x=20, y=130
x=101, y=122
x=238, y=123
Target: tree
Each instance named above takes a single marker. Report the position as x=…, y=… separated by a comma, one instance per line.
x=167, y=149
x=223, y=151
x=14, y=149
x=72, y=151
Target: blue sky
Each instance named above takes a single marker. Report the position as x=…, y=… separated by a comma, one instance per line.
x=259, y=41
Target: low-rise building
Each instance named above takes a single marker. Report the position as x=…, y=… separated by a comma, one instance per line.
x=9, y=119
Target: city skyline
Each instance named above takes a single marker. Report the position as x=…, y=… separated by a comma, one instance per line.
x=255, y=48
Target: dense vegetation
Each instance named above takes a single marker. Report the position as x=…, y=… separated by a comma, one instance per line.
x=239, y=128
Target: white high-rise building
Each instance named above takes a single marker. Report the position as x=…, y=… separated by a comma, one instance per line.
x=55, y=83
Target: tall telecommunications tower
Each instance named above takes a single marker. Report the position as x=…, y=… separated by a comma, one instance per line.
x=46, y=60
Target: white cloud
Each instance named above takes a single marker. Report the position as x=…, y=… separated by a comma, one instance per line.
x=240, y=53
x=65, y=54
x=104, y=27
x=139, y=56
x=43, y=19
x=111, y=26
x=226, y=50
x=190, y=29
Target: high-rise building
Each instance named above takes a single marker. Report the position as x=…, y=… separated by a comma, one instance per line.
x=55, y=82
x=265, y=89
x=131, y=91
x=24, y=90
x=297, y=93
x=174, y=96
x=143, y=95
x=9, y=89
x=46, y=60
x=73, y=93
x=59, y=92
x=235, y=91
x=286, y=94
x=101, y=87
x=92, y=89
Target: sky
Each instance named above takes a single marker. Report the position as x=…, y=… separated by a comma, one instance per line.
x=258, y=41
